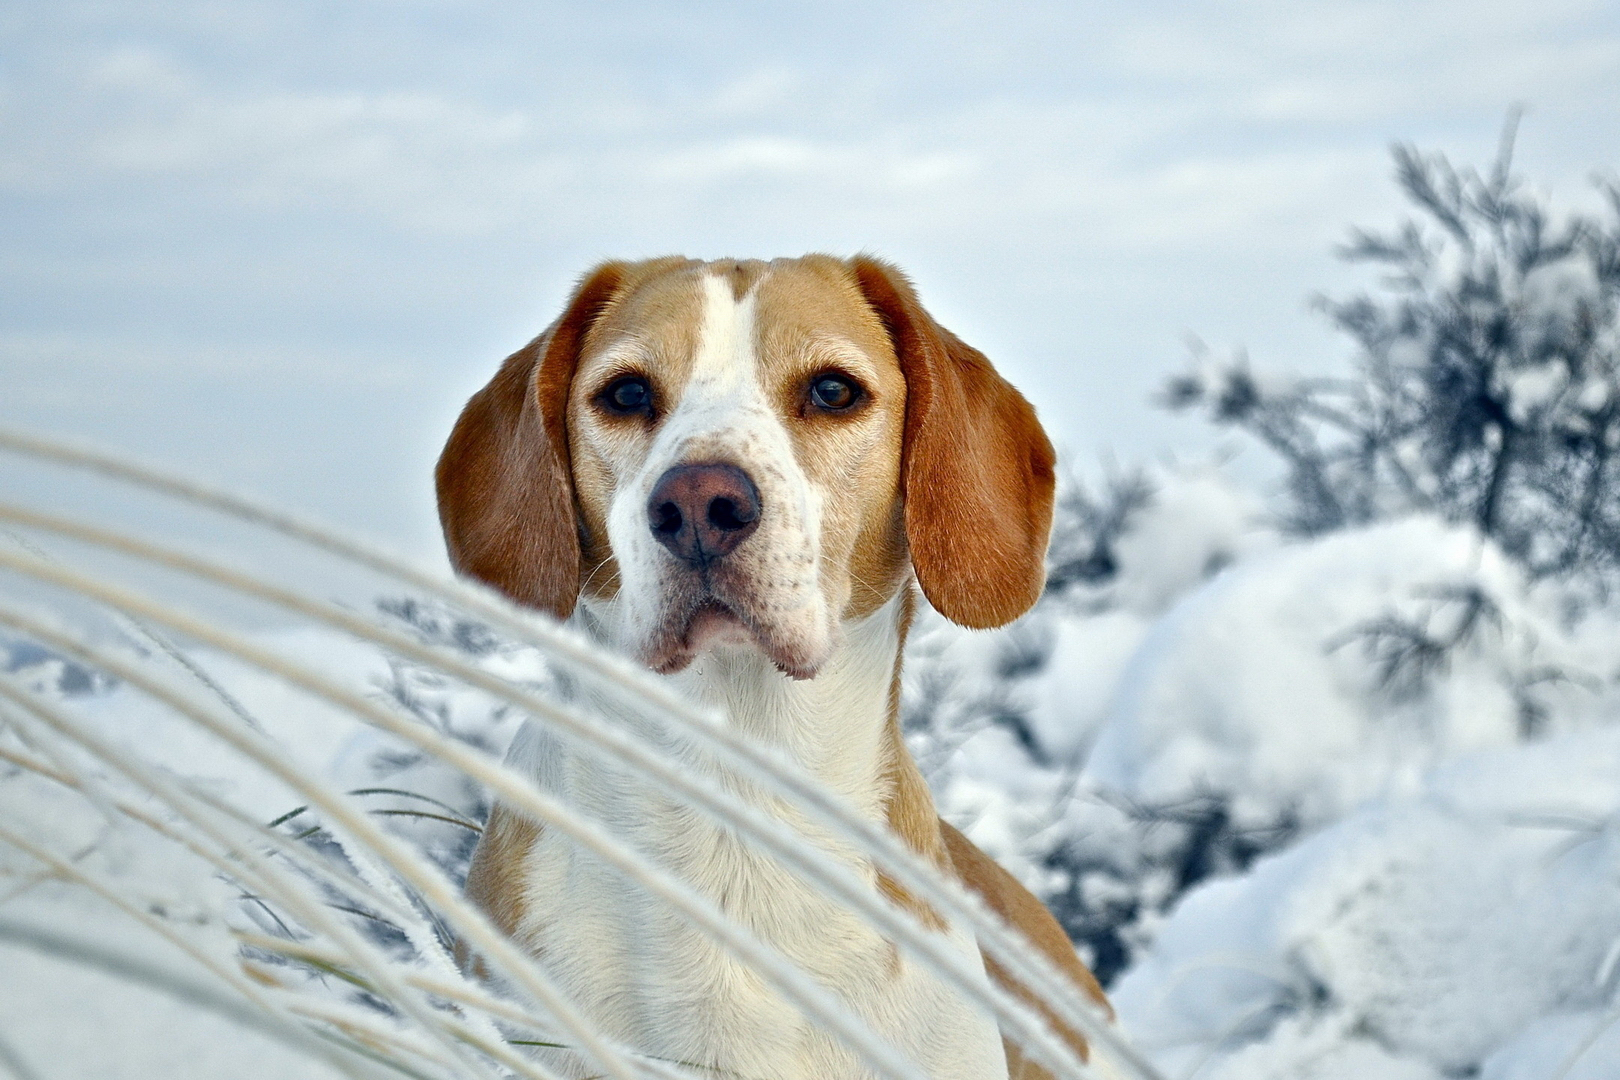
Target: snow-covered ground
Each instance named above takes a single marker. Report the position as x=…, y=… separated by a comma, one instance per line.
x=1332, y=809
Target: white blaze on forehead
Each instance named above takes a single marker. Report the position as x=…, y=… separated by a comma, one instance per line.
x=723, y=404
x=725, y=358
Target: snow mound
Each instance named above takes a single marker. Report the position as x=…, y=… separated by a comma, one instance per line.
x=1197, y=523
x=1470, y=924
x=1306, y=680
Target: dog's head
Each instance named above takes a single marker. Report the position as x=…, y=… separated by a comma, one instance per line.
x=747, y=454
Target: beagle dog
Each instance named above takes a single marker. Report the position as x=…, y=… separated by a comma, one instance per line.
x=739, y=473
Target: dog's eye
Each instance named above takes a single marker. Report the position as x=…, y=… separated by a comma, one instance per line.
x=630, y=394
x=833, y=392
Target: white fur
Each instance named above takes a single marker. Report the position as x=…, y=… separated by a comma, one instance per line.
x=643, y=973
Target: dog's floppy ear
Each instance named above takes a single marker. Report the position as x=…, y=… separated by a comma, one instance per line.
x=977, y=469
x=506, y=490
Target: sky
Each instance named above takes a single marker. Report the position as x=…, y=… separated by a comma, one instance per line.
x=277, y=245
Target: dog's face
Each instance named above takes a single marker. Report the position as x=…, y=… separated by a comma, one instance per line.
x=747, y=455
x=735, y=442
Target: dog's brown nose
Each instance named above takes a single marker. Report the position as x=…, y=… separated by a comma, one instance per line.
x=701, y=512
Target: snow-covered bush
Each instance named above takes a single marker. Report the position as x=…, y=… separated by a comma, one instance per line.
x=1311, y=678
x=1487, y=379
x=1467, y=926
x=1142, y=731
x=1307, y=809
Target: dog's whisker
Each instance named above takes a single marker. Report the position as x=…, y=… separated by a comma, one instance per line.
x=590, y=578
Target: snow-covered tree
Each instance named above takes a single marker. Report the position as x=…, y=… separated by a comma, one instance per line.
x=1487, y=379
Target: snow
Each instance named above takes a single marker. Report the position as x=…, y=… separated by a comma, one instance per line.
x=1197, y=523
x=1533, y=388
x=1573, y=1046
x=1070, y=703
x=1439, y=925
x=1260, y=685
x=1560, y=292
x=65, y=1019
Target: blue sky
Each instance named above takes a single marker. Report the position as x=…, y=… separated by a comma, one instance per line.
x=279, y=244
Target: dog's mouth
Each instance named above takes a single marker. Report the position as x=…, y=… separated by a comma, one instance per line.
x=705, y=623
x=713, y=623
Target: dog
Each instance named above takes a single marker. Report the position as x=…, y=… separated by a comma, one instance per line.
x=741, y=473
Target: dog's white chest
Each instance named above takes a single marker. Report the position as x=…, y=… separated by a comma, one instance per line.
x=661, y=985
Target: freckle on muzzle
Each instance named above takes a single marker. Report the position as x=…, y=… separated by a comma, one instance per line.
x=700, y=513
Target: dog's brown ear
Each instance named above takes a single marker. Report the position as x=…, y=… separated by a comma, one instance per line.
x=506, y=490
x=977, y=471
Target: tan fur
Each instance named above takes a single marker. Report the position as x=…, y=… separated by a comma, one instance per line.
x=495, y=878
x=909, y=809
x=946, y=474
x=978, y=470
x=1016, y=904
x=653, y=317
x=504, y=480
x=494, y=881
x=744, y=274
x=804, y=308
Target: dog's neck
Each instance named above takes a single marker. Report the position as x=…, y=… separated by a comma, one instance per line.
x=841, y=726
x=658, y=982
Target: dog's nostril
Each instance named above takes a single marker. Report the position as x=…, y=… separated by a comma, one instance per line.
x=667, y=519
x=724, y=514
